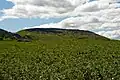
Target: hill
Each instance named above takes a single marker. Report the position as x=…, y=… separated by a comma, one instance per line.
x=35, y=33
x=59, y=54
x=5, y=35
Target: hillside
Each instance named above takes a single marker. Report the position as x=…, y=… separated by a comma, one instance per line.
x=35, y=33
x=59, y=54
x=5, y=35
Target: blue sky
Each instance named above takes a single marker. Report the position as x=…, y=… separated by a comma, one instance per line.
x=18, y=24
x=5, y=4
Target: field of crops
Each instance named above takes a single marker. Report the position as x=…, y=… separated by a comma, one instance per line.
x=60, y=58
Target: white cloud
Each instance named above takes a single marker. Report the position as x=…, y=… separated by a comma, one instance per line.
x=100, y=16
x=57, y=8
x=41, y=8
x=7, y=17
x=115, y=34
x=92, y=23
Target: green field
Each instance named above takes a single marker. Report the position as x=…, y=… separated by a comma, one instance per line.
x=60, y=57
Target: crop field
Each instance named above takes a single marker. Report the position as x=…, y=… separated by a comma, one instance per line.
x=60, y=58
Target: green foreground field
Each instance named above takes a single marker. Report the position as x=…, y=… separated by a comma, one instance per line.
x=60, y=58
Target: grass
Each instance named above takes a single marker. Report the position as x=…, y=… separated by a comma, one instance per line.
x=55, y=57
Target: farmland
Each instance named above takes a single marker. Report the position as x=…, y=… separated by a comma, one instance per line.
x=60, y=57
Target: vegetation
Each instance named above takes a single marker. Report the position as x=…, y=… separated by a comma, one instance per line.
x=5, y=35
x=53, y=56
x=80, y=34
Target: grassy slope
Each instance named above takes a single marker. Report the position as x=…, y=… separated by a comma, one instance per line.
x=54, y=57
x=36, y=33
x=5, y=35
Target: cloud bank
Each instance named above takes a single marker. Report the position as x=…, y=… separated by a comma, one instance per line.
x=100, y=16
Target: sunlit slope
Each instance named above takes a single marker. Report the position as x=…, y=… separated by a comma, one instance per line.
x=36, y=33
x=59, y=54
x=63, y=58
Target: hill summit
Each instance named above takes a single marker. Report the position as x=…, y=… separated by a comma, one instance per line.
x=36, y=33
x=33, y=32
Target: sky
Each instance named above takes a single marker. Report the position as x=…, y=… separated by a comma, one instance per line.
x=99, y=16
